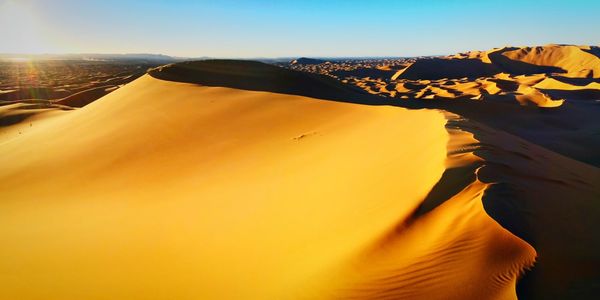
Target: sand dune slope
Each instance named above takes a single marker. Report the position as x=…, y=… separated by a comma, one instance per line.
x=170, y=190
x=533, y=112
x=574, y=60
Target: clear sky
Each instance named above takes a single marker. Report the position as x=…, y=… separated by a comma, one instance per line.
x=270, y=28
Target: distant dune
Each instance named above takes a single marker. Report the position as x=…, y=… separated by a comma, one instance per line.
x=240, y=180
x=307, y=61
x=575, y=61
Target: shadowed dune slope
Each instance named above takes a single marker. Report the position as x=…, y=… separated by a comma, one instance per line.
x=257, y=76
x=549, y=200
x=171, y=190
x=439, y=68
x=86, y=97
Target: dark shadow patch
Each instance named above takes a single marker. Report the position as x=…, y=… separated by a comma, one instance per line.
x=257, y=76
x=583, y=94
x=365, y=72
x=579, y=81
x=8, y=120
x=594, y=50
x=86, y=97
x=441, y=68
x=452, y=182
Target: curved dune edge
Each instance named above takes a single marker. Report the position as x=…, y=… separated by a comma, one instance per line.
x=172, y=190
x=443, y=256
x=454, y=251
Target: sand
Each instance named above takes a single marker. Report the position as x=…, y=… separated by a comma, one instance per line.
x=239, y=180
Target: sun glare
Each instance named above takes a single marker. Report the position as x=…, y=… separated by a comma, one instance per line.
x=30, y=36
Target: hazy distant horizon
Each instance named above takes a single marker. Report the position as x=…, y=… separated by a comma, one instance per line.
x=282, y=29
x=59, y=54
x=65, y=55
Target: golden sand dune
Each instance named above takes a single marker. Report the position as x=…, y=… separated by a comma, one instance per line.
x=165, y=189
x=575, y=61
x=531, y=94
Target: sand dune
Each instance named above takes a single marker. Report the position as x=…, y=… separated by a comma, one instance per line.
x=435, y=253
x=542, y=105
x=171, y=190
x=527, y=189
x=240, y=180
x=574, y=60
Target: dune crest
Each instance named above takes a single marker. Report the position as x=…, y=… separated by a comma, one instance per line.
x=448, y=242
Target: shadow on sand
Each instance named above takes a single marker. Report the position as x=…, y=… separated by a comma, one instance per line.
x=257, y=76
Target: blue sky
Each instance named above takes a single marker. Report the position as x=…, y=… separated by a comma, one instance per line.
x=262, y=28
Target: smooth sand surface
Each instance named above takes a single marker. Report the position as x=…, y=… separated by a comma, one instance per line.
x=169, y=190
